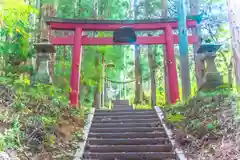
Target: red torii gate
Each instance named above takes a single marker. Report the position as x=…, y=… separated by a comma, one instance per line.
x=77, y=41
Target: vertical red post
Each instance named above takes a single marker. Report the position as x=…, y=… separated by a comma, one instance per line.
x=76, y=67
x=171, y=65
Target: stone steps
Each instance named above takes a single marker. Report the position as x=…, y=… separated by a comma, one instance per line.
x=105, y=120
x=131, y=156
x=129, y=148
x=127, y=134
x=127, y=130
x=123, y=112
x=122, y=125
x=133, y=117
x=130, y=141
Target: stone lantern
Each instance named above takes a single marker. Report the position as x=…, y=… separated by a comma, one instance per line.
x=44, y=51
x=212, y=78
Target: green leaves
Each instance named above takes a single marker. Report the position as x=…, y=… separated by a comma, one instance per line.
x=175, y=118
x=210, y=126
x=15, y=33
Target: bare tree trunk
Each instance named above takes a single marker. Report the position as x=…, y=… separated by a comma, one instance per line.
x=183, y=48
x=138, y=89
x=96, y=101
x=152, y=63
x=230, y=73
x=199, y=65
x=97, y=94
x=234, y=12
x=102, y=80
x=138, y=84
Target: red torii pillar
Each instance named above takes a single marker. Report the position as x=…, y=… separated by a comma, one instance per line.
x=171, y=65
x=76, y=67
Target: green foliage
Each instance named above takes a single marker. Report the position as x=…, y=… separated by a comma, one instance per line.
x=11, y=137
x=223, y=90
x=142, y=107
x=78, y=135
x=175, y=118
x=15, y=34
x=37, y=105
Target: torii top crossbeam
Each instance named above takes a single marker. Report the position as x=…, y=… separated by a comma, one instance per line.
x=77, y=40
x=111, y=25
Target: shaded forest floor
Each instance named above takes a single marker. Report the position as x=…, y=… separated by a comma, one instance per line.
x=206, y=127
x=36, y=122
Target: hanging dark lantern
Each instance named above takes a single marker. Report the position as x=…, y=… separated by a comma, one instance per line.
x=124, y=35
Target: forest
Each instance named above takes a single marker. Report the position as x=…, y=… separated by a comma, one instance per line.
x=37, y=121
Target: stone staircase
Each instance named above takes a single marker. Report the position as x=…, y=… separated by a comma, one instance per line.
x=127, y=134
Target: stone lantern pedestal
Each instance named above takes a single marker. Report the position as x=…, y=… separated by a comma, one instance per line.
x=212, y=78
x=44, y=51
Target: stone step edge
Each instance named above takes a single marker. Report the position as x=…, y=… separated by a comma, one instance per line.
x=126, y=120
x=179, y=152
x=116, y=125
x=130, y=141
x=132, y=155
x=150, y=129
x=81, y=147
x=123, y=110
x=124, y=117
x=128, y=135
x=129, y=148
x=124, y=113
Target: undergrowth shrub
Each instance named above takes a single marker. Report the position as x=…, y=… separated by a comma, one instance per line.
x=35, y=108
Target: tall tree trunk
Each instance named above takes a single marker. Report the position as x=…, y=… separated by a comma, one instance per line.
x=97, y=94
x=199, y=65
x=183, y=48
x=96, y=101
x=233, y=13
x=165, y=15
x=138, y=83
x=102, y=80
x=105, y=92
x=152, y=63
x=75, y=8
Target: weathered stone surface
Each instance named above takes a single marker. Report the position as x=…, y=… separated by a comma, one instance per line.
x=9, y=155
x=211, y=81
x=4, y=156
x=43, y=72
x=13, y=154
